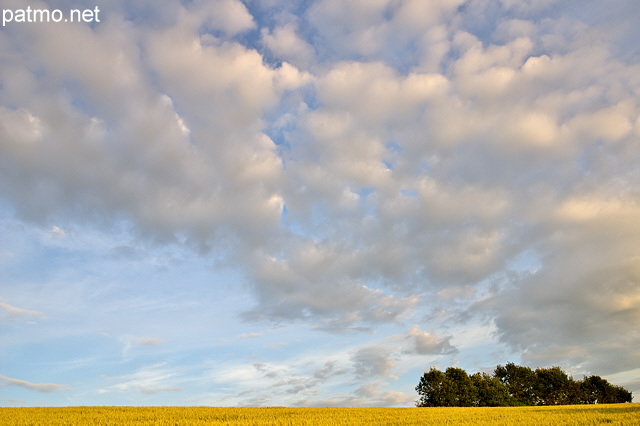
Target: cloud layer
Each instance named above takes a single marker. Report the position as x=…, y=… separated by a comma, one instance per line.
x=360, y=165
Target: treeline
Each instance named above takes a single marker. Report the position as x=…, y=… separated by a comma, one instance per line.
x=514, y=385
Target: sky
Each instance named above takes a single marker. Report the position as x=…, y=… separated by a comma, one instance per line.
x=271, y=202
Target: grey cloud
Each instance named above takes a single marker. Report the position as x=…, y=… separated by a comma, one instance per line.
x=312, y=282
x=329, y=370
x=581, y=305
x=424, y=343
x=372, y=361
x=381, y=359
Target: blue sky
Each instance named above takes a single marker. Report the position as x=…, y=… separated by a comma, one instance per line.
x=310, y=203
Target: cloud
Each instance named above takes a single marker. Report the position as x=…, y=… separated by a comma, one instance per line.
x=156, y=390
x=15, y=312
x=285, y=43
x=230, y=16
x=425, y=343
x=382, y=359
x=38, y=387
x=417, y=172
x=587, y=287
x=263, y=383
x=398, y=32
x=302, y=379
x=57, y=232
x=373, y=361
x=249, y=335
x=150, y=341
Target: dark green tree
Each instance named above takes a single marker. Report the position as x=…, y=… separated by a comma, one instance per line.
x=463, y=392
x=490, y=391
x=453, y=388
x=575, y=394
x=514, y=385
x=520, y=382
x=434, y=389
x=622, y=395
x=596, y=390
x=552, y=386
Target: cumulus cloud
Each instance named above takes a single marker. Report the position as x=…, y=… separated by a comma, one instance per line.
x=285, y=43
x=230, y=16
x=401, y=32
x=585, y=289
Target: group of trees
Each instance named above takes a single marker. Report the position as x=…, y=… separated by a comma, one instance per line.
x=514, y=385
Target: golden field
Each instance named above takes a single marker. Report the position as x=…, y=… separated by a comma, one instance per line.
x=613, y=414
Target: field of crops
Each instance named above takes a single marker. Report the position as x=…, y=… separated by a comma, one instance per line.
x=614, y=414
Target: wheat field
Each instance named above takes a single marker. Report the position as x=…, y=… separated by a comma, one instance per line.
x=613, y=414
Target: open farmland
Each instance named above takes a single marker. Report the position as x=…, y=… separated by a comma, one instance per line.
x=614, y=414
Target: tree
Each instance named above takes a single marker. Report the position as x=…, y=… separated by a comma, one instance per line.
x=490, y=391
x=519, y=381
x=622, y=395
x=464, y=393
x=596, y=390
x=552, y=386
x=452, y=388
x=433, y=389
x=514, y=385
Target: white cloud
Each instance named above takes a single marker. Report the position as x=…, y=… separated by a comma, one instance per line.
x=381, y=30
x=230, y=16
x=285, y=43
x=289, y=77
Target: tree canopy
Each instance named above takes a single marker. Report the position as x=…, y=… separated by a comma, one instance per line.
x=514, y=385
